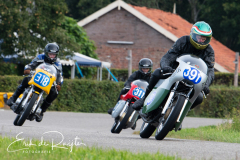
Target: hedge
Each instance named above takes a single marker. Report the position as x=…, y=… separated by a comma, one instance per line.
x=221, y=102
x=76, y=95
x=95, y=96
x=91, y=73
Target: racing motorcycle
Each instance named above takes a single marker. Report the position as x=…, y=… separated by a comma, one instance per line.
x=170, y=100
x=123, y=113
x=29, y=105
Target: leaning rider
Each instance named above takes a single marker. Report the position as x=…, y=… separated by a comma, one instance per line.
x=197, y=44
x=50, y=56
x=144, y=72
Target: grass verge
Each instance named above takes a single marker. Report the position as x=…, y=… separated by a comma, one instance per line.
x=226, y=132
x=45, y=151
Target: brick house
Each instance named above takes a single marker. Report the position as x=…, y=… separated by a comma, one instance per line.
x=149, y=33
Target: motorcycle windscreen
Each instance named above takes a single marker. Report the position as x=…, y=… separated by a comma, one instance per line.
x=43, y=80
x=138, y=88
x=194, y=61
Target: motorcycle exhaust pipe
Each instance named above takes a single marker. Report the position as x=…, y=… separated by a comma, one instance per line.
x=118, y=108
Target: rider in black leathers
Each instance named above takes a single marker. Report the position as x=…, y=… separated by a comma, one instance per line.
x=185, y=44
x=51, y=49
x=144, y=64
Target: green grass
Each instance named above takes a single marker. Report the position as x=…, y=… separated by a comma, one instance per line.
x=226, y=132
x=84, y=153
x=208, y=133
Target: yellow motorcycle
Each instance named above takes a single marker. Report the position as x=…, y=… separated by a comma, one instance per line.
x=29, y=105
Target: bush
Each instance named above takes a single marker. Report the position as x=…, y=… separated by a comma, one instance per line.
x=224, y=79
x=221, y=101
x=87, y=96
x=76, y=95
x=98, y=96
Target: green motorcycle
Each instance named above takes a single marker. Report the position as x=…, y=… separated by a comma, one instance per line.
x=170, y=100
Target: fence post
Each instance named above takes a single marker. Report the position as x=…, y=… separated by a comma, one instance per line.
x=236, y=70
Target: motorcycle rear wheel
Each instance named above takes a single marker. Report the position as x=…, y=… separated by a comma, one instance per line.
x=122, y=123
x=26, y=111
x=146, y=130
x=166, y=126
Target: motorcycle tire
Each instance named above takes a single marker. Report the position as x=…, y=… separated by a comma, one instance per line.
x=146, y=130
x=114, y=126
x=168, y=125
x=27, y=109
x=121, y=124
x=16, y=120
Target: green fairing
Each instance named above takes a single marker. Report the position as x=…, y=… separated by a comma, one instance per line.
x=189, y=104
x=162, y=93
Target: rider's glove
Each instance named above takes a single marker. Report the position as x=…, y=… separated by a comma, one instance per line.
x=206, y=90
x=27, y=71
x=58, y=87
x=167, y=70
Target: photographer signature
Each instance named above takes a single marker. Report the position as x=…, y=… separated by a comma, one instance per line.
x=27, y=144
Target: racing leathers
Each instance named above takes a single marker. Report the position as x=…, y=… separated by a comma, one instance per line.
x=32, y=66
x=168, y=63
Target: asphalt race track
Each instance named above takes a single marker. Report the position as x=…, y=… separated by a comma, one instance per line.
x=94, y=130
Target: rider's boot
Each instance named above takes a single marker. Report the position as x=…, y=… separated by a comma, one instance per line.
x=110, y=111
x=44, y=107
x=135, y=124
x=139, y=103
x=180, y=127
x=152, y=82
x=14, y=97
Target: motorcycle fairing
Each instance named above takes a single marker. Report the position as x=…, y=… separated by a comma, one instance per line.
x=158, y=94
x=43, y=80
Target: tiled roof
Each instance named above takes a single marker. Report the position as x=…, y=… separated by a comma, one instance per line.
x=180, y=27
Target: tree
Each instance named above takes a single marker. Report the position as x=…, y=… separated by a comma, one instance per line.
x=224, y=19
x=26, y=26
x=79, y=9
x=196, y=7
x=78, y=35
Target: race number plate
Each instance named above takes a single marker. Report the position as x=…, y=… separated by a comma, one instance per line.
x=192, y=75
x=138, y=92
x=42, y=79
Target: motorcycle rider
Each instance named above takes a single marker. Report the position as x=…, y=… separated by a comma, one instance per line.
x=144, y=72
x=197, y=44
x=51, y=51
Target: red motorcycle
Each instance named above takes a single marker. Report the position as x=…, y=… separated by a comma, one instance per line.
x=123, y=114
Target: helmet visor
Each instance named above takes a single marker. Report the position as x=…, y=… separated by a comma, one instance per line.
x=202, y=40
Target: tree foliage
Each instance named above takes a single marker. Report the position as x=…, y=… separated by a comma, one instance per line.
x=26, y=26
x=79, y=9
x=79, y=36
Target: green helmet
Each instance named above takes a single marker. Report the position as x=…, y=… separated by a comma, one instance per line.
x=201, y=35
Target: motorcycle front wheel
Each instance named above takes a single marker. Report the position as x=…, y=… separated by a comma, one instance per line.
x=146, y=130
x=114, y=126
x=122, y=123
x=168, y=124
x=27, y=109
x=16, y=120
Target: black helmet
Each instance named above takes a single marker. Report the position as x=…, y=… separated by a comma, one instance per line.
x=51, y=48
x=145, y=63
